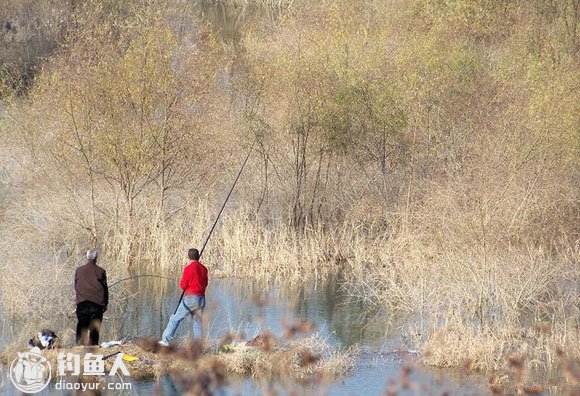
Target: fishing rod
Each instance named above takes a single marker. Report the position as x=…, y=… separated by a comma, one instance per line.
x=139, y=276
x=219, y=214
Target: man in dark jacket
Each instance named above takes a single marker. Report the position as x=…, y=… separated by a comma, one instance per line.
x=193, y=282
x=92, y=298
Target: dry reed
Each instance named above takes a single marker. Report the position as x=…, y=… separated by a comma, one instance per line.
x=428, y=153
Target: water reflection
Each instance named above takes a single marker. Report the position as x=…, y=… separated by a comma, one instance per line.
x=231, y=304
x=167, y=387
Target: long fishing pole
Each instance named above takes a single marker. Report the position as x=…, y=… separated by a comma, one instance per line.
x=219, y=214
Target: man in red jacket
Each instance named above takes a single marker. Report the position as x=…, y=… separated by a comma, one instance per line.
x=193, y=282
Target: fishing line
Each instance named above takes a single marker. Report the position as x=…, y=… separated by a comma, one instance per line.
x=208, y=235
x=138, y=276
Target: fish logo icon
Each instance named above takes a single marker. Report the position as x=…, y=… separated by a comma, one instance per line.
x=30, y=372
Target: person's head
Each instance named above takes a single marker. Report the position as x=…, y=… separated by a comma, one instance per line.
x=92, y=255
x=193, y=254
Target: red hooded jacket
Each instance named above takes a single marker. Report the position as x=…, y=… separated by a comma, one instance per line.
x=194, y=279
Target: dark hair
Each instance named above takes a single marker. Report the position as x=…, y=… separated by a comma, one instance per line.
x=193, y=254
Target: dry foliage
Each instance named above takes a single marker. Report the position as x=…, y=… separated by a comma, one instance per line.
x=427, y=149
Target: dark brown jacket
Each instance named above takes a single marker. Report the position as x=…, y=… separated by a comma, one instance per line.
x=91, y=284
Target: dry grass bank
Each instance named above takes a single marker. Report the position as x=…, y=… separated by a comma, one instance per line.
x=301, y=360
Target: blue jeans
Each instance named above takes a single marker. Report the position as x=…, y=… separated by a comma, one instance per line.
x=189, y=306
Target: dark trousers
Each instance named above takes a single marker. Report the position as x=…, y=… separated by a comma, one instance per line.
x=90, y=316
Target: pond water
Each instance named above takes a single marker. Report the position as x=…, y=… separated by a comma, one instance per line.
x=232, y=305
